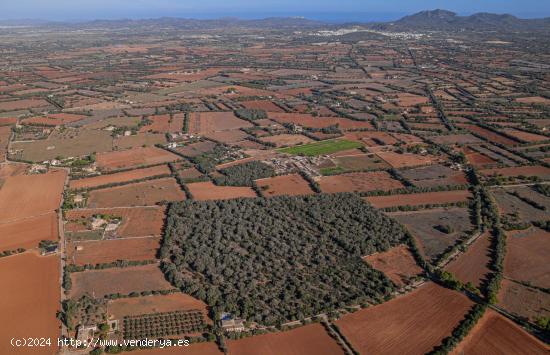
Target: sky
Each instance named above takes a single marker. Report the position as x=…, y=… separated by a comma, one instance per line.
x=327, y=10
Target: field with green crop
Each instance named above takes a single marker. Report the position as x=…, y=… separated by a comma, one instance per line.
x=323, y=147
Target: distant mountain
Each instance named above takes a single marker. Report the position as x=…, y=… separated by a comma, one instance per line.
x=443, y=20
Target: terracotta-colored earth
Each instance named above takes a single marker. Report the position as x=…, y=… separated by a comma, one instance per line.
x=397, y=264
x=283, y=140
x=358, y=182
x=440, y=197
x=411, y=324
x=530, y=170
x=29, y=301
x=25, y=196
x=124, y=176
x=291, y=185
x=527, y=257
x=117, y=309
x=27, y=233
x=110, y=250
x=523, y=301
x=208, y=191
x=404, y=160
x=473, y=265
x=134, y=158
x=307, y=340
x=193, y=349
x=99, y=283
x=205, y=122
x=496, y=335
x=145, y=193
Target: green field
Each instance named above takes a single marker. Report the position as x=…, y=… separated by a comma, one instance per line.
x=323, y=147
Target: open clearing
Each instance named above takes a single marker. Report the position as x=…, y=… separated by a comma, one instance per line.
x=124, y=176
x=495, y=335
x=419, y=199
x=405, y=160
x=27, y=233
x=208, y=191
x=193, y=349
x=25, y=196
x=322, y=147
x=410, y=324
x=145, y=193
x=110, y=250
x=527, y=257
x=359, y=182
x=30, y=302
x=434, y=175
x=397, y=264
x=473, y=265
x=286, y=140
x=530, y=170
x=291, y=185
x=134, y=158
x=118, y=280
x=311, y=339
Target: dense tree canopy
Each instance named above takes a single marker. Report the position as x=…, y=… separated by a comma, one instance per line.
x=244, y=174
x=277, y=259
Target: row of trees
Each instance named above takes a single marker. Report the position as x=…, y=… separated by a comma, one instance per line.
x=278, y=259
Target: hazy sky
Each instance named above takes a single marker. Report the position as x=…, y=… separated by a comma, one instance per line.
x=338, y=10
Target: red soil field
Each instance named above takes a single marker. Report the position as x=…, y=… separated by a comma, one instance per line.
x=118, y=280
x=440, y=197
x=318, y=122
x=358, y=182
x=411, y=324
x=283, y=140
x=490, y=135
x=134, y=158
x=27, y=233
x=527, y=257
x=397, y=160
x=262, y=105
x=120, y=308
x=193, y=349
x=397, y=264
x=22, y=104
x=136, y=221
x=494, y=335
x=208, y=191
x=145, y=193
x=232, y=136
x=110, y=250
x=7, y=121
x=291, y=185
x=371, y=139
x=123, y=176
x=478, y=159
x=29, y=302
x=54, y=119
x=530, y=170
x=533, y=100
x=25, y=196
x=311, y=339
x=206, y=122
x=472, y=266
x=161, y=124
x=525, y=136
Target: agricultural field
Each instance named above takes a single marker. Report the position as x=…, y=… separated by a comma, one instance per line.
x=426, y=198
x=134, y=158
x=110, y=250
x=287, y=140
x=359, y=182
x=405, y=160
x=31, y=300
x=99, y=283
x=291, y=185
x=523, y=301
x=308, y=340
x=494, y=334
x=146, y=193
x=425, y=227
x=527, y=257
x=321, y=148
x=434, y=175
x=473, y=265
x=27, y=233
x=122, y=177
x=207, y=122
x=204, y=191
x=411, y=324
